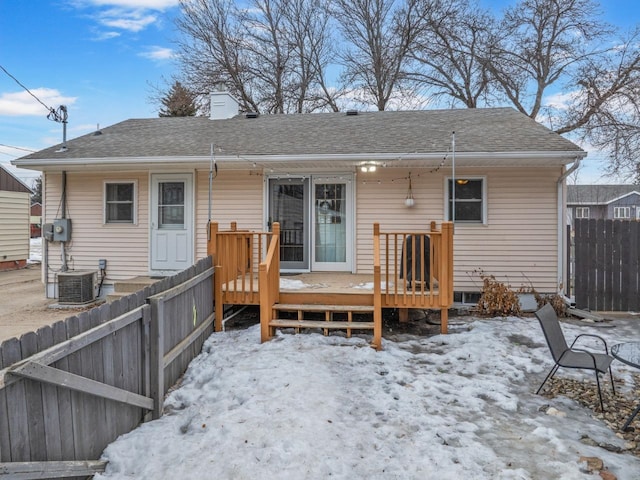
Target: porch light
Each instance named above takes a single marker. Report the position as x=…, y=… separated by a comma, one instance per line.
x=368, y=167
x=409, y=200
x=462, y=181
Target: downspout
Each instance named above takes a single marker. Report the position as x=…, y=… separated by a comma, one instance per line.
x=562, y=243
x=63, y=252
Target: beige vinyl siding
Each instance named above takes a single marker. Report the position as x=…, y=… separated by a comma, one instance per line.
x=237, y=196
x=125, y=246
x=380, y=198
x=517, y=245
x=14, y=226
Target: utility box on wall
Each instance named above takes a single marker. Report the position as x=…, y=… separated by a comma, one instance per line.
x=62, y=230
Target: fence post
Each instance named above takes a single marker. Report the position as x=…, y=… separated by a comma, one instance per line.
x=156, y=355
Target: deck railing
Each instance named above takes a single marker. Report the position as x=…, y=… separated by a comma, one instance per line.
x=269, y=279
x=237, y=255
x=414, y=269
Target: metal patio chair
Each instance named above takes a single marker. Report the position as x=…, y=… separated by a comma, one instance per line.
x=570, y=356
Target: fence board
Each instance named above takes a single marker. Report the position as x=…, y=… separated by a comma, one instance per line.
x=65, y=406
x=5, y=444
x=634, y=267
x=620, y=247
x=50, y=411
x=33, y=391
x=607, y=260
x=17, y=401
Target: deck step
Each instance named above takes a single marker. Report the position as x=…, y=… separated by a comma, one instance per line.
x=282, y=323
x=290, y=307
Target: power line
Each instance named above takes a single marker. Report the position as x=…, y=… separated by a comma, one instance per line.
x=17, y=148
x=59, y=115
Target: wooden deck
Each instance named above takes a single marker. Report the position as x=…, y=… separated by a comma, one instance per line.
x=248, y=273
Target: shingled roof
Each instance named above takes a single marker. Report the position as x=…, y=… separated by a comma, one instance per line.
x=390, y=132
x=598, y=194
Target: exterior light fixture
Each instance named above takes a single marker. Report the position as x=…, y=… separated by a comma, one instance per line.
x=368, y=167
x=409, y=201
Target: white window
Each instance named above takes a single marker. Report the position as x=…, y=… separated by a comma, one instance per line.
x=582, y=212
x=470, y=200
x=621, y=212
x=119, y=202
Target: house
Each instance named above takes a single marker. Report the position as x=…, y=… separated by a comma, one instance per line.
x=140, y=194
x=36, y=220
x=15, y=198
x=613, y=202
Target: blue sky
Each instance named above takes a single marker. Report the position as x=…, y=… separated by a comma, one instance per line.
x=101, y=58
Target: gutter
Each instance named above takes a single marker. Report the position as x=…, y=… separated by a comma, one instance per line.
x=562, y=239
x=241, y=160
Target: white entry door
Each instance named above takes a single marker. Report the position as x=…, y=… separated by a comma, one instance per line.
x=171, y=223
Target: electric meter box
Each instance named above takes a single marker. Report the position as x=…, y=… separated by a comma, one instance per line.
x=62, y=230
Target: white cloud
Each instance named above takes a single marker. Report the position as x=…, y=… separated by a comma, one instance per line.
x=130, y=20
x=21, y=103
x=127, y=15
x=561, y=100
x=100, y=36
x=158, y=53
x=135, y=4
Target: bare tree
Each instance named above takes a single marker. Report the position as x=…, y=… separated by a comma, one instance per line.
x=451, y=36
x=605, y=111
x=211, y=49
x=378, y=36
x=538, y=43
x=308, y=23
x=272, y=53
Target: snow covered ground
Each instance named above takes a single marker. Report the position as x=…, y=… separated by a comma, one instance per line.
x=457, y=406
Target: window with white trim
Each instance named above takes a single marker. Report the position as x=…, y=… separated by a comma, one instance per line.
x=119, y=202
x=470, y=200
x=621, y=212
x=582, y=212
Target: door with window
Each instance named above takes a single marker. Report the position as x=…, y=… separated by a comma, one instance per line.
x=171, y=222
x=332, y=225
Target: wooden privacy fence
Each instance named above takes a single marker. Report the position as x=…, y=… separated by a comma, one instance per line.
x=607, y=256
x=69, y=389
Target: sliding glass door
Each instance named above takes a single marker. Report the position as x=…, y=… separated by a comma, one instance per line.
x=316, y=222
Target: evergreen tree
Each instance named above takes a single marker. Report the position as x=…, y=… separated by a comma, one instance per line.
x=37, y=191
x=178, y=102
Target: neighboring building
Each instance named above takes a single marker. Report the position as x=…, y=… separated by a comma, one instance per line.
x=614, y=202
x=36, y=220
x=14, y=221
x=138, y=191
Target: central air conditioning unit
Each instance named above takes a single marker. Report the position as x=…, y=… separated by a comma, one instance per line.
x=76, y=287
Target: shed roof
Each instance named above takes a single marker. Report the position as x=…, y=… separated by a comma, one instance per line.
x=10, y=183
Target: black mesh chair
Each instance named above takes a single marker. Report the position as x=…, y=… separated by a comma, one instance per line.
x=414, y=250
x=570, y=356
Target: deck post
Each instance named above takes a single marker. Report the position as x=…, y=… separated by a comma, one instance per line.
x=377, y=290
x=211, y=240
x=269, y=283
x=446, y=280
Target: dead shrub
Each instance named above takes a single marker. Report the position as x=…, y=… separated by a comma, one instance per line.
x=497, y=298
